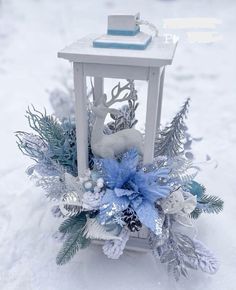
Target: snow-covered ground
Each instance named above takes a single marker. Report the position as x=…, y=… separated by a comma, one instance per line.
x=31, y=33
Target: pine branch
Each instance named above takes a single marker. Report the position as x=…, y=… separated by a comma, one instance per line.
x=208, y=204
x=170, y=143
x=47, y=127
x=75, y=239
x=59, y=140
x=72, y=244
x=69, y=224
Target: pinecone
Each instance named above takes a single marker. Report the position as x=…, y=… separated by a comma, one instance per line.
x=70, y=135
x=131, y=219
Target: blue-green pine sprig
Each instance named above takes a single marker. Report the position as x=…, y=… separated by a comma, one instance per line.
x=73, y=228
x=46, y=126
x=205, y=203
x=58, y=138
x=208, y=204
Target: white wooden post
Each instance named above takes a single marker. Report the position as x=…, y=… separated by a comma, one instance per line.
x=160, y=100
x=81, y=116
x=151, y=114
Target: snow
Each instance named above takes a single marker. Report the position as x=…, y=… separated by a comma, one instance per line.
x=31, y=33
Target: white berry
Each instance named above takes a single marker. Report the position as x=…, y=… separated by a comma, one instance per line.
x=100, y=180
x=96, y=189
x=88, y=185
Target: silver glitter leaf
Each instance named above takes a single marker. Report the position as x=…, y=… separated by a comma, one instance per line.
x=70, y=204
x=206, y=259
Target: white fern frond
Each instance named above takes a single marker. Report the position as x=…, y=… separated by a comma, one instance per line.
x=94, y=230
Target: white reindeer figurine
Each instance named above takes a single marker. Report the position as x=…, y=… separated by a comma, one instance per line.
x=108, y=146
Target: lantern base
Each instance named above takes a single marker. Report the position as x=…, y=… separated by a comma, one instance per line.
x=133, y=244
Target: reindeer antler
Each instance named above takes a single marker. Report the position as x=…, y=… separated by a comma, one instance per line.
x=117, y=90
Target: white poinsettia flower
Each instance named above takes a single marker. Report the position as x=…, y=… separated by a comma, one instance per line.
x=190, y=203
x=179, y=202
x=174, y=203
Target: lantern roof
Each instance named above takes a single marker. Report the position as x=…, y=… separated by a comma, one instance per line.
x=159, y=52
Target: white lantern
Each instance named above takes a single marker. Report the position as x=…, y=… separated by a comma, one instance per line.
x=123, y=53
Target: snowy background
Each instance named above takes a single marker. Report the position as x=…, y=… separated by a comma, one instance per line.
x=31, y=33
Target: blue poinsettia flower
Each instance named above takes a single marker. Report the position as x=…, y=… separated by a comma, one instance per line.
x=128, y=186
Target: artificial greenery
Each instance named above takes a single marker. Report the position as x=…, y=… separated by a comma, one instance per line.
x=169, y=141
x=47, y=127
x=205, y=203
x=32, y=146
x=57, y=140
x=208, y=204
x=196, y=188
x=121, y=195
x=75, y=238
x=176, y=250
x=181, y=253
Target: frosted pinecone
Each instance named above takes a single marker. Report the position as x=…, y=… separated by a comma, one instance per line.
x=113, y=249
x=131, y=219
